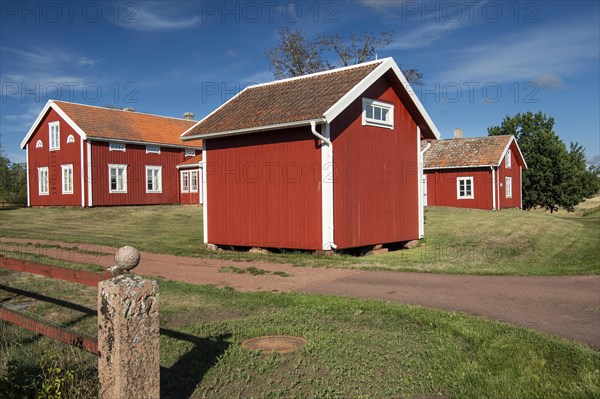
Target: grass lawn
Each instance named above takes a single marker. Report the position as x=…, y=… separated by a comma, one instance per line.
x=461, y=241
x=356, y=348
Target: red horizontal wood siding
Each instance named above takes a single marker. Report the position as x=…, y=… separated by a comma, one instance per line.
x=136, y=159
x=43, y=157
x=264, y=190
x=441, y=188
x=513, y=172
x=376, y=175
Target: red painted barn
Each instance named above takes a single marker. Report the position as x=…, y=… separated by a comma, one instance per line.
x=80, y=155
x=481, y=172
x=322, y=161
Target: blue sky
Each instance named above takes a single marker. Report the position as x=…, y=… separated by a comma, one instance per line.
x=482, y=60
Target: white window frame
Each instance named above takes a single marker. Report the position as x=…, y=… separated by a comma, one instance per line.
x=376, y=104
x=508, y=160
x=113, y=146
x=152, y=169
x=117, y=167
x=190, y=152
x=70, y=139
x=39, y=144
x=508, y=186
x=54, y=136
x=465, y=179
x=43, y=182
x=67, y=184
x=192, y=174
x=152, y=149
x=185, y=181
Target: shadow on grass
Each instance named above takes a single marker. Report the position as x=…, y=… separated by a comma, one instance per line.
x=177, y=382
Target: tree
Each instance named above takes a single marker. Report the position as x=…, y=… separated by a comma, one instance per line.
x=13, y=181
x=296, y=55
x=556, y=177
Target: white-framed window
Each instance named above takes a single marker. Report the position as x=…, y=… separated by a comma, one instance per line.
x=152, y=149
x=116, y=147
x=194, y=181
x=39, y=144
x=508, y=187
x=67, y=179
x=154, y=179
x=117, y=178
x=377, y=113
x=185, y=181
x=190, y=152
x=43, y=180
x=508, y=159
x=70, y=139
x=54, y=135
x=464, y=188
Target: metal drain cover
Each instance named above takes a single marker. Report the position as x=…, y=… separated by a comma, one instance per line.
x=276, y=343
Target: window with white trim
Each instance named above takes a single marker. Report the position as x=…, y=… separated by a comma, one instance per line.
x=154, y=179
x=70, y=139
x=194, y=181
x=152, y=149
x=39, y=144
x=464, y=188
x=54, y=135
x=116, y=147
x=508, y=160
x=67, y=179
x=377, y=113
x=508, y=187
x=185, y=181
x=190, y=152
x=43, y=180
x=117, y=178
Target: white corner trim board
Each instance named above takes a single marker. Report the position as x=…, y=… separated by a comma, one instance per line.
x=327, y=180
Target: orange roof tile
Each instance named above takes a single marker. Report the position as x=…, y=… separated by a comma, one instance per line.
x=479, y=151
x=290, y=100
x=190, y=162
x=106, y=123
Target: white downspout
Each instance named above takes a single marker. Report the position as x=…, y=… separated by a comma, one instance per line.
x=327, y=169
x=420, y=184
x=313, y=129
x=493, y=188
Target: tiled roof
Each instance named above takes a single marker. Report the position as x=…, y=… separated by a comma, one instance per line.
x=192, y=161
x=479, y=151
x=291, y=100
x=106, y=123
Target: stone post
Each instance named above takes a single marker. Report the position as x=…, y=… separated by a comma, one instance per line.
x=128, y=332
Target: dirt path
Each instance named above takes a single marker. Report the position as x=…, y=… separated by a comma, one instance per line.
x=567, y=306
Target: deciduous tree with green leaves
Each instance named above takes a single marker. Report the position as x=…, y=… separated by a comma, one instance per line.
x=556, y=177
x=13, y=181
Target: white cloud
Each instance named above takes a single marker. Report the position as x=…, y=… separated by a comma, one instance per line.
x=549, y=82
x=423, y=36
x=547, y=53
x=155, y=17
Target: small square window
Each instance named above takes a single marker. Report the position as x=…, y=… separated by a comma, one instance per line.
x=464, y=188
x=116, y=147
x=190, y=152
x=377, y=113
x=152, y=149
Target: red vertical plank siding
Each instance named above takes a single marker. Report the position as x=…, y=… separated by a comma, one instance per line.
x=503, y=172
x=376, y=175
x=190, y=197
x=441, y=188
x=264, y=190
x=136, y=159
x=41, y=157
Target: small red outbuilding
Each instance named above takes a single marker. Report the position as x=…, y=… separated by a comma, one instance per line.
x=322, y=161
x=481, y=173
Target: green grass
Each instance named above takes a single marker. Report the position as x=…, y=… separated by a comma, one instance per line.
x=459, y=241
x=356, y=348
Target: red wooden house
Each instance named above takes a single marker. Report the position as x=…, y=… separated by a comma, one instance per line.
x=481, y=173
x=322, y=161
x=190, y=184
x=80, y=155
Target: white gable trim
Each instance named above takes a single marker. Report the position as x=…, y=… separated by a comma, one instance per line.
x=512, y=138
x=371, y=78
x=55, y=107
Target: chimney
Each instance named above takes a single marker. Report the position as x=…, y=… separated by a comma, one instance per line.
x=129, y=109
x=188, y=115
x=458, y=133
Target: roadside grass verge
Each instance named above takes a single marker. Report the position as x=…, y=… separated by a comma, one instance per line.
x=356, y=348
x=458, y=241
